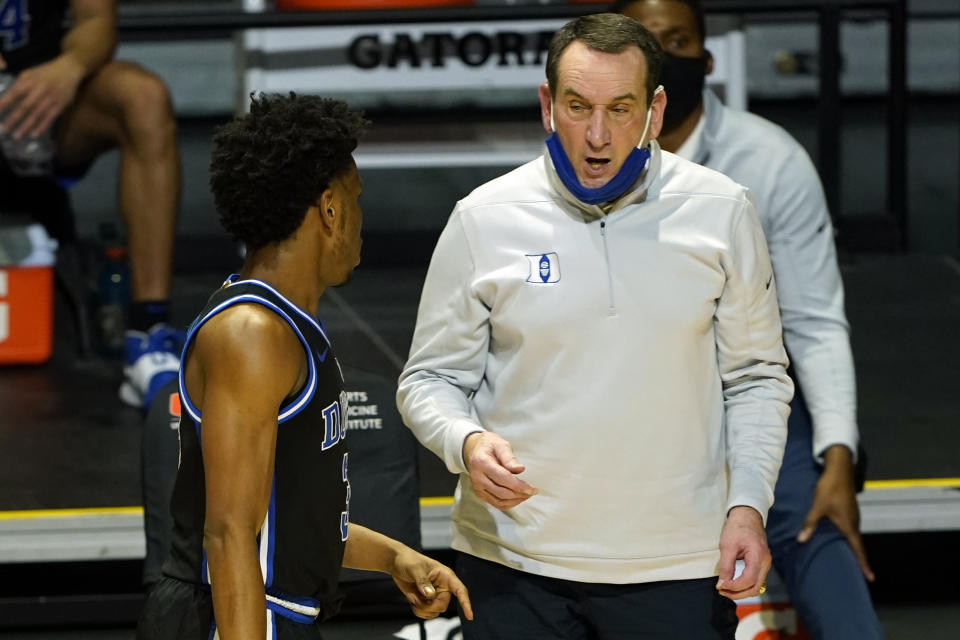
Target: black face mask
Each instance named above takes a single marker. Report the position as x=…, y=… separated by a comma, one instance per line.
x=683, y=80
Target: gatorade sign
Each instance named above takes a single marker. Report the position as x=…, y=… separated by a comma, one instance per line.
x=374, y=59
x=493, y=62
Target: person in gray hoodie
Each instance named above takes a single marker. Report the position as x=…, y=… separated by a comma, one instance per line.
x=813, y=528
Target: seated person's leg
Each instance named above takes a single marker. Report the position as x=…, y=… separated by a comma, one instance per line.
x=126, y=107
x=822, y=575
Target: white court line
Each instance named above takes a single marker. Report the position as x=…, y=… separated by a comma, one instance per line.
x=395, y=359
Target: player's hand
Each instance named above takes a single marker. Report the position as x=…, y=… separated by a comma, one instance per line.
x=38, y=96
x=493, y=470
x=743, y=538
x=835, y=498
x=427, y=584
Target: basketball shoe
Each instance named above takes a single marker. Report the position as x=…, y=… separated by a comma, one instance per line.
x=151, y=360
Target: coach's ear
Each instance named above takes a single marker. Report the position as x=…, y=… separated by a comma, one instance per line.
x=546, y=107
x=657, y=107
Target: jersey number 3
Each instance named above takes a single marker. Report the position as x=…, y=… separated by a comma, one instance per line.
x=14, y=21
x=345, y=514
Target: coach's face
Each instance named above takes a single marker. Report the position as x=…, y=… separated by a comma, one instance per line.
x=600, y=109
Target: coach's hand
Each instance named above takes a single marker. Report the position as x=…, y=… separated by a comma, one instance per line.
x=743, y=538
x=38, y=96
x=427, y=584
x=493, y=470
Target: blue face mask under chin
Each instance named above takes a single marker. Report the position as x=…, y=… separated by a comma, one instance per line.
x=629, y=173
x=633, y=167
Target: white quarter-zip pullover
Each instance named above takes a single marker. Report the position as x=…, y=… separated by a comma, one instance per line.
x=630, y=358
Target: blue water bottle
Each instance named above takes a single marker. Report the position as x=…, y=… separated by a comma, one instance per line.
x=113, y=292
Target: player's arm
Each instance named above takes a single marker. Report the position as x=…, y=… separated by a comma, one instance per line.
x=92, y=38
x=238, y=373
x=426, y=583
x=41, y=93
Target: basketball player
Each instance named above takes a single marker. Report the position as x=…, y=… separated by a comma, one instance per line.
x=598, y=354
x=261, y=501
x=813, y=528
x=68, y=82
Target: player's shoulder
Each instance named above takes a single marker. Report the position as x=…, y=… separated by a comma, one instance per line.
x=248, y=317
x=250, y=354
x=247, y=330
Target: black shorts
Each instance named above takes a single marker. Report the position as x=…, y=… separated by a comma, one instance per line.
x=177, y=610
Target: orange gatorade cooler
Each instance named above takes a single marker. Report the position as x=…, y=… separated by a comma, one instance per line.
x=26, y=294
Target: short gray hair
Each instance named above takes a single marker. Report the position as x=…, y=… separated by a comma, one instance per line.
x=610, y=33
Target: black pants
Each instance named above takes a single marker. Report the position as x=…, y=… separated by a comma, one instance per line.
x=176, y=610
x=510, y=604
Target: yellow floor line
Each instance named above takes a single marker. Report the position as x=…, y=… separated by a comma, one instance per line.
x=436, y=501
x=430, y=501
x=433, y=501
x=71, y=513
x=913, y=483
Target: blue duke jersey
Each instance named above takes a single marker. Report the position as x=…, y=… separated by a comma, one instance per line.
x=30, y=32
x=302, y=539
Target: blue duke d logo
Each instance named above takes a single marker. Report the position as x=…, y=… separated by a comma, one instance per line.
x=334, y=422
x=544, y=268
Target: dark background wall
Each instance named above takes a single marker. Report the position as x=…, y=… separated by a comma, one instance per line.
x=204, y=80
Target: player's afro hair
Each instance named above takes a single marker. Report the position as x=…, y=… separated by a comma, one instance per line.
x=269, y=166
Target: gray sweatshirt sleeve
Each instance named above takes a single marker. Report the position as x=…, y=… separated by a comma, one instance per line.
x=448, y=352
x=815, y=330
x=752, y=362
